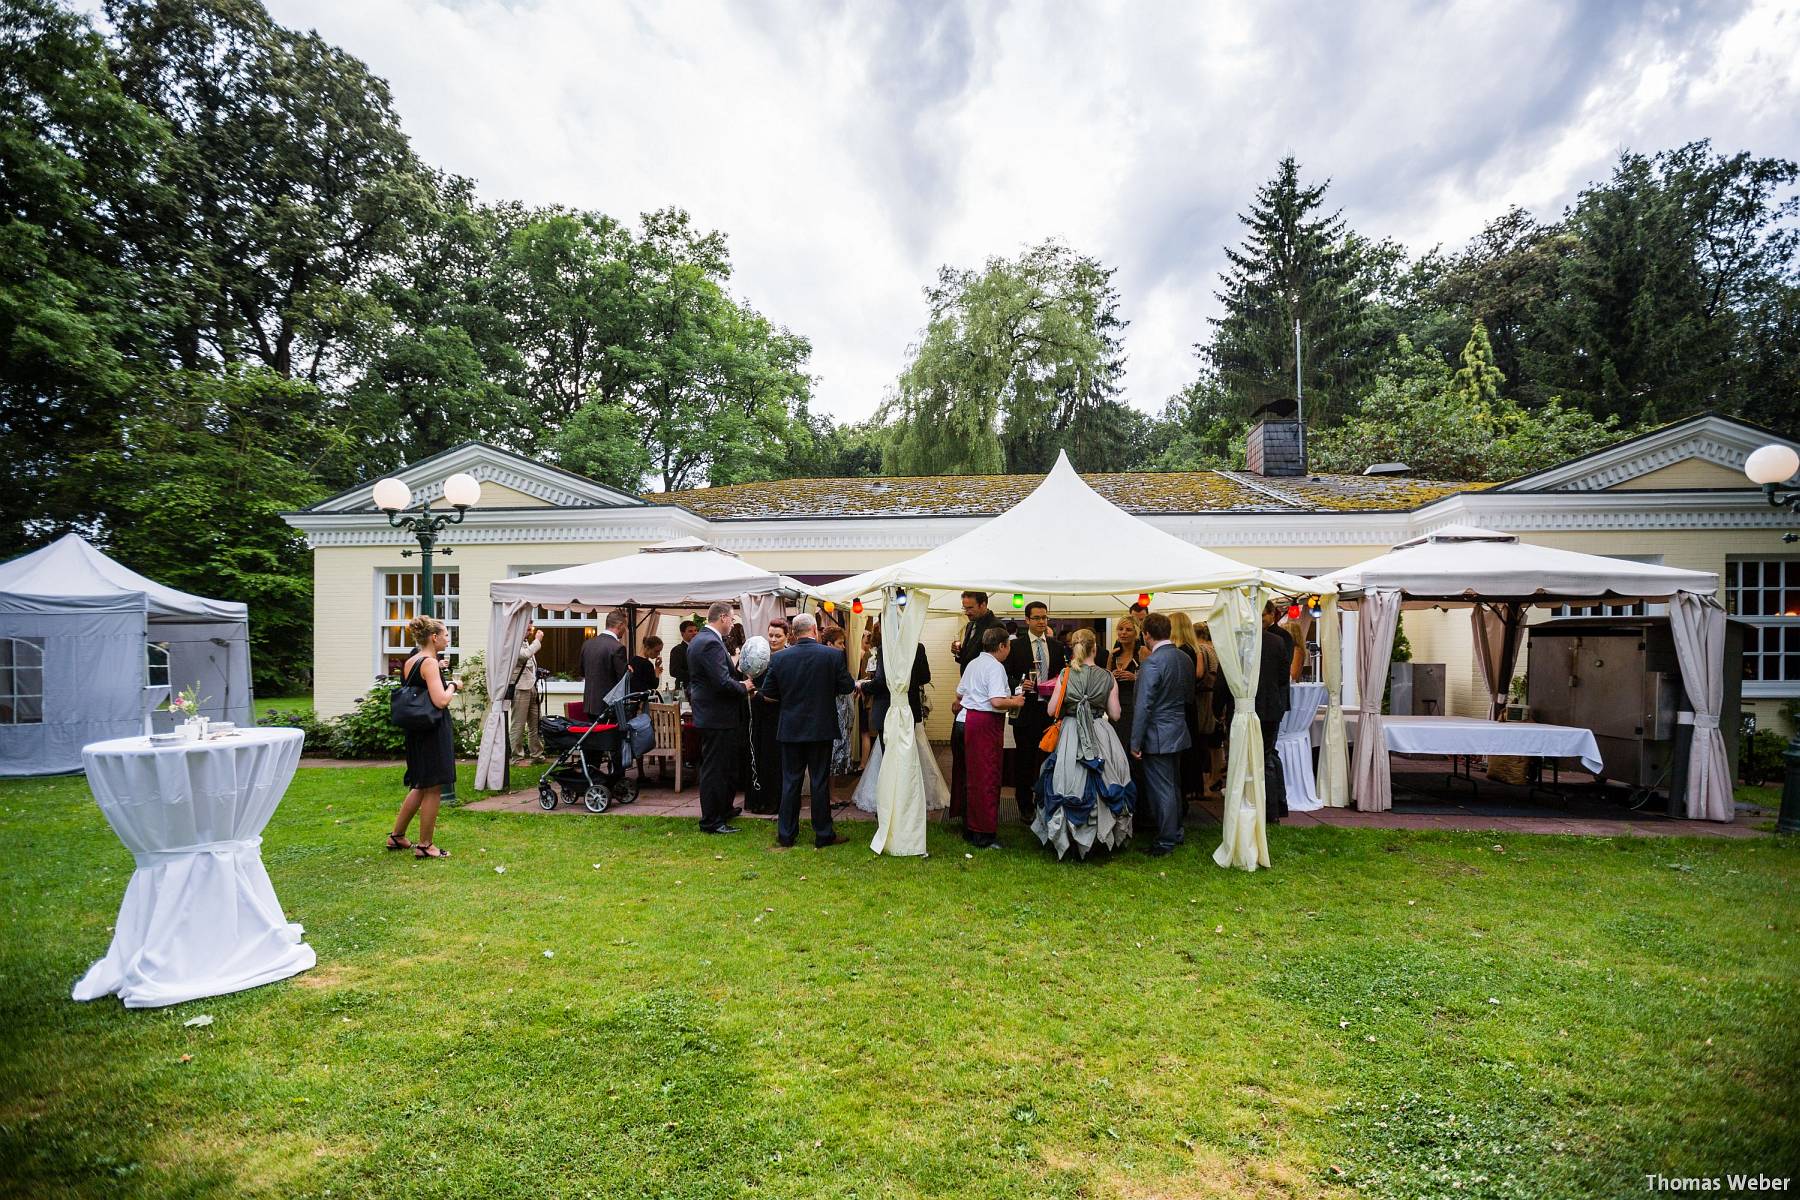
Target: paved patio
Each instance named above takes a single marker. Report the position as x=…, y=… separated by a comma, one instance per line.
x=1422, y=800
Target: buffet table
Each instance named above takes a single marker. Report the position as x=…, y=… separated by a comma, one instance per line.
x=1455, y=737
x=199, y=917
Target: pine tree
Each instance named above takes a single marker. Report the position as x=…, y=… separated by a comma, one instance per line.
x=1478, y=381
x=1295, y=263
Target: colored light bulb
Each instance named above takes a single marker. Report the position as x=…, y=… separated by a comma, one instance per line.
x=856, y=606
x=1018, y=600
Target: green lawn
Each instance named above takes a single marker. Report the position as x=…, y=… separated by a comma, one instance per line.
x=266, y=704
x=1384, y=1014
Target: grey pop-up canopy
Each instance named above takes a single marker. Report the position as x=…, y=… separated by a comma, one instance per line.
x=88, y=647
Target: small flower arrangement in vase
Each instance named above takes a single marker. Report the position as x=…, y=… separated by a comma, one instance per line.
x=186, y=704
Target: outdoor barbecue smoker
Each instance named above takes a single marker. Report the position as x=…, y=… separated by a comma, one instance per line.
x=1619, y=677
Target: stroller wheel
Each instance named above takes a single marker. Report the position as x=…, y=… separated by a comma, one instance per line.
x=546, y=796
x=625, y=791
x=597, y=798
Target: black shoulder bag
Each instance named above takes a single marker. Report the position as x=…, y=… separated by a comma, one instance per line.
x=411, y=708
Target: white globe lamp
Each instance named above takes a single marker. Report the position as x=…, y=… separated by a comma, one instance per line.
x=391, y=495
x=1772, y=464
x=462, y=490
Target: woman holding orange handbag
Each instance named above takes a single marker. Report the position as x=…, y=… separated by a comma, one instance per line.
x=1085, y=789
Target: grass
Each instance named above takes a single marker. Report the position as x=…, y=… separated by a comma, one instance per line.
x=265, y=704
x=1392, y=1015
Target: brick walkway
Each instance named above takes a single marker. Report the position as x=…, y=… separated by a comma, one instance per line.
x=1423, y=802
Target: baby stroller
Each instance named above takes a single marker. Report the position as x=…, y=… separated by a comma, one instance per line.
x=592, y=760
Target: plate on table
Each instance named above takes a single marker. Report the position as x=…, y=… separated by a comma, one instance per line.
x=166, y=739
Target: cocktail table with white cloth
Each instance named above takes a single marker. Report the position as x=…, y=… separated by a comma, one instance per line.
x=199, y=917
x=1293, y=746
x=1453, y=736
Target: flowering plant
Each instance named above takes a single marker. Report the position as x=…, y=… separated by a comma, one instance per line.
x=188, y=702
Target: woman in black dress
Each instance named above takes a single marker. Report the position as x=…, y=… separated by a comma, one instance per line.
x=430, y=753
x=764, y=793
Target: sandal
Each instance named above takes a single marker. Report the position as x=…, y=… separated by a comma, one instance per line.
x=427, y=850
x=397, y=841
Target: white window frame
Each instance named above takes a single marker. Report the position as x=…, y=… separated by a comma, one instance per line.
x=1631, y=608
x=449, y=611
x=10, y=693
x=1788, y=626
x=156, y=662
x=555, y=618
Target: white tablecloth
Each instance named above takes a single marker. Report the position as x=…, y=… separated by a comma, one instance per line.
x=1474, y=735
x=200, y=917
x=1293, y=746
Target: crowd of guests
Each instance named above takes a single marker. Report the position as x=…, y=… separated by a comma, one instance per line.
x=1107, y=743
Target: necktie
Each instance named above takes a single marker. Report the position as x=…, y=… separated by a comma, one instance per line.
x=1037, y=652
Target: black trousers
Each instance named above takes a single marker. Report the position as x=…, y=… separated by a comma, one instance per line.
x=1162, y=782
x=799, y=760
x=1028, y=760
x=718, y=774
x=1274, y=781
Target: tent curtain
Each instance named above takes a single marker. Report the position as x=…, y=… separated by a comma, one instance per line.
x=1377, y=618
x=1497, y=628
x=1236, y=622
x=758, y=611
x=1698, y=625
x=1334, y=765
x=506, y=632
x=900, y=788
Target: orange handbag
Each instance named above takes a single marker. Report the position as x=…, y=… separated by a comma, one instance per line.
x=1047, y=743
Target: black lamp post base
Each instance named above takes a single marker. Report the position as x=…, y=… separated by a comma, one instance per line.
x=1789, y=820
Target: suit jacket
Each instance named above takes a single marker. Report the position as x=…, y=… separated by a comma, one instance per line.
x=1019, y=661
x=880, y=697
x=805, y=680
x=1272, y=677
x=971, y=638
x=1165, y=687
x=602, y=664
x=715, y=687
x=678, y=664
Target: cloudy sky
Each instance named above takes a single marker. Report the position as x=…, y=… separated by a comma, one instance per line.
x=848, y=150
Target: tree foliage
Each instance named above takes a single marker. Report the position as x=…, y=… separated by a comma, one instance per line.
x=1020, y=360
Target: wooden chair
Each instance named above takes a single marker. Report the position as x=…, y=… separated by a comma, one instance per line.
x=665, y=722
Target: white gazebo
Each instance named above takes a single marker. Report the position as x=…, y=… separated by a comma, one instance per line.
x=1499, y=577
x=1066, y=545
x=685, y=573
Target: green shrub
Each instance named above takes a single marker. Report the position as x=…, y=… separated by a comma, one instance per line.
x=366, y=730
x=317, y=730
x=1760, y=760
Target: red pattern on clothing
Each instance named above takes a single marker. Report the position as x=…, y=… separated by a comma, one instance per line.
x=984, y=748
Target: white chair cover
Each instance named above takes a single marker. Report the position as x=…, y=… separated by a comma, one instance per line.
x=1293, y=745
x=200, y=917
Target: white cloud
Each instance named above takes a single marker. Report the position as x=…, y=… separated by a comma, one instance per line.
x=849, y=151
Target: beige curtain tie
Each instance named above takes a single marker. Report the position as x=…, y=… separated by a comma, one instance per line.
x=1698, y=720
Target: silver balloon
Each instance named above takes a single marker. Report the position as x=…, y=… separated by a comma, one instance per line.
x=753, y=659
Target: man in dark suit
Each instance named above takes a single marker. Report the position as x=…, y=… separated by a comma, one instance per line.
x=717, y=692
x=977, y=620
x=678, y=663
x=1159, y=729
x=806, y=679
x=1272, y=701
x=602, y=664
x=1036, y=652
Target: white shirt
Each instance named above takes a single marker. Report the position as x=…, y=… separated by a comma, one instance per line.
x=1040, y=653
x=982, y=680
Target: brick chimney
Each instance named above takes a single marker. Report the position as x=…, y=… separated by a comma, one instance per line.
x=1273, y=447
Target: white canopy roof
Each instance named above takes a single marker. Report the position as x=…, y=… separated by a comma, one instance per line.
x=680, y=573
x=1462, y=563
x=1064, y=544
x=70, y=569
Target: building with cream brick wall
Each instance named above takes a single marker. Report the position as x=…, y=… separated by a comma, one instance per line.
x=1677, y=496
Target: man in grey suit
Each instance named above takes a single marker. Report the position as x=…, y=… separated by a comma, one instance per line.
x=1159, y=729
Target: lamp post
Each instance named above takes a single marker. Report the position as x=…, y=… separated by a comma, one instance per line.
x=1771, y=467
x=393, y=497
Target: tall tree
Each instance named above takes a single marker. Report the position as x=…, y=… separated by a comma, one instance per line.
x=79, y=163
x=1296, y=263
x=1020, y=360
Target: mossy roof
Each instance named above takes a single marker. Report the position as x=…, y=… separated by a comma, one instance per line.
x=987, y=495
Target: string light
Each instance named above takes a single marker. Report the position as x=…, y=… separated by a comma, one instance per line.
x=856, y=606
x=1143, y=599
x=1018, y=600
x=830, y=607
x=900, y=598
x=1293, y=612
x=1313, y=604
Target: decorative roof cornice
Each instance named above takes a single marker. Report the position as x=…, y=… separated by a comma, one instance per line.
x=508, y=526
x=1723, y=441
x=489, y=464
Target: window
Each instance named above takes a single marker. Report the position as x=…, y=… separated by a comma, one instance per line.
x=399, y=603
x=564, y=630
x=21, y=681
x=156, y=661
x=1630, y=608
x=1765, y=594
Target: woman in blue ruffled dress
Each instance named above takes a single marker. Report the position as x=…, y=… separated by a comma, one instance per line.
x=1085, y=793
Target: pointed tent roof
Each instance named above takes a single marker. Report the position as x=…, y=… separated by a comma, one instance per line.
x=678, y=573
x=1064, y=542
x=1461, y=562
x=70, y=568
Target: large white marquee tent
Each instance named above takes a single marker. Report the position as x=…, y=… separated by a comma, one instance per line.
x=1068, y=546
